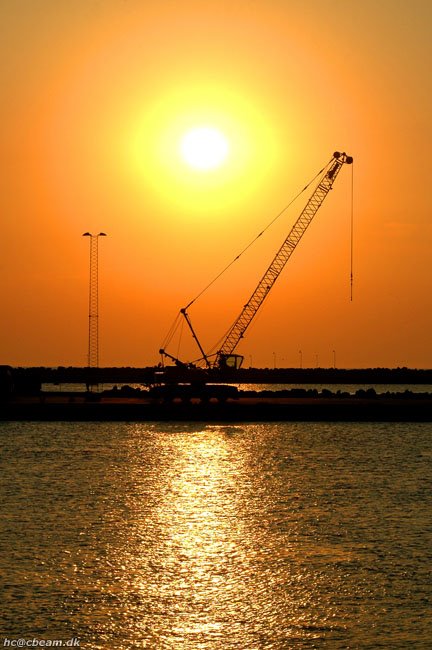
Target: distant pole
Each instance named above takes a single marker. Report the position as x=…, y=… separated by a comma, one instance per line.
x=301, y=358
x=93, y=329
x=334, y=358
x=274, y=360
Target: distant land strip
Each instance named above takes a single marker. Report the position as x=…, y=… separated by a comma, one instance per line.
x=155, y=374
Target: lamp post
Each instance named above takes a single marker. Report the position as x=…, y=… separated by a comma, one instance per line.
x=93, y=329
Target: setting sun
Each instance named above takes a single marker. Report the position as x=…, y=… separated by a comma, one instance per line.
x=204, y=148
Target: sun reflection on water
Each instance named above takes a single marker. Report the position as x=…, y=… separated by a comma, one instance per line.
x=201, y=537
x=209, y=558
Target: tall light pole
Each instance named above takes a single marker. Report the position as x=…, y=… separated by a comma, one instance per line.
x=93, y=329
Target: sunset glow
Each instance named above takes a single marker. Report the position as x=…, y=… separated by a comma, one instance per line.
x=107, y=106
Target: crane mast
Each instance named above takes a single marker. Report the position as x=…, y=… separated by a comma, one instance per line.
x=225, y=355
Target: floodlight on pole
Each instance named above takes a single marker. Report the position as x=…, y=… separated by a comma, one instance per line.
x=93, y=328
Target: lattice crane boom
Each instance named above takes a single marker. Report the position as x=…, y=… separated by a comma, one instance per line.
x=225, y=355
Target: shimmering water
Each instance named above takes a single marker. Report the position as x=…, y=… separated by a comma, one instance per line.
x=217, y=537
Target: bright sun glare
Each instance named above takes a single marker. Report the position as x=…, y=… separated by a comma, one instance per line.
x=204, y=148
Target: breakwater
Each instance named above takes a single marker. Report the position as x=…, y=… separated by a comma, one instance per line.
x=246, y=408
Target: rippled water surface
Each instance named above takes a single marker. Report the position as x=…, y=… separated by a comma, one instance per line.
x=216, y=537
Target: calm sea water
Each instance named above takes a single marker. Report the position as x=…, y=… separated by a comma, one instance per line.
x=217, y=537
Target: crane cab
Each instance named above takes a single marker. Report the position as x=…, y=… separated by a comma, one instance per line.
x=233, y=361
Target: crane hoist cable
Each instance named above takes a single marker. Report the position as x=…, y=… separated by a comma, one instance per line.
x=352, y=234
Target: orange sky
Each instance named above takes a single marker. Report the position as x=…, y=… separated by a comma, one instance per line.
x=95, y=97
